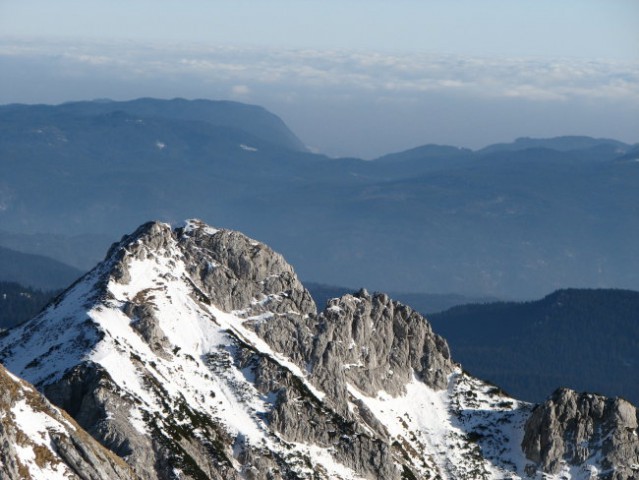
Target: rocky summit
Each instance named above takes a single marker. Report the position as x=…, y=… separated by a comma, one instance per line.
x=196, y=353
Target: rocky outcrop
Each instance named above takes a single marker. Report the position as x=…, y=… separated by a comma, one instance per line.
x=378, y=344
x=241, y=274
x=299, y=416
x=90, y=396
x=226, y=268
x=196, y=353
x=580, y=429
x=38, y=441
x=164, y=443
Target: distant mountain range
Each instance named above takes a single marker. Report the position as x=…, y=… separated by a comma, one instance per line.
x=422, y=302
x=581, y=339
x=35, y=270
x=19, y=304
x=81, y=252
x=509, y=221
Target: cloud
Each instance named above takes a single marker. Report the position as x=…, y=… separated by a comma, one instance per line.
x=534, y=79
x=346, y=102
x=240, y=91
x=535, y=93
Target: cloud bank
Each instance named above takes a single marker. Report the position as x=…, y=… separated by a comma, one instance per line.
x=293, y=80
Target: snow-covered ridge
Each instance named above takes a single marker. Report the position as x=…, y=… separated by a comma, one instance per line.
x=199, y=349
x=193, y=364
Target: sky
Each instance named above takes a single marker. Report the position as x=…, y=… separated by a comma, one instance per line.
x=350, y=77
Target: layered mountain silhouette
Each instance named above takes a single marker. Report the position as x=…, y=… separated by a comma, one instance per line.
x=81, y=252
x=512, y=220
x=196, y=353
x=584, y=339
x=19, y=303
x=35, y=270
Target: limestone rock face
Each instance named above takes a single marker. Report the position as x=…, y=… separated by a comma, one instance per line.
x=577, y=429
x=195, y=353
x=90, y=396
x=39, y=441
x=379, y=345
x=240, y=274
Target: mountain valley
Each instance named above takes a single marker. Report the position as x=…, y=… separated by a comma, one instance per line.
x=515, y=220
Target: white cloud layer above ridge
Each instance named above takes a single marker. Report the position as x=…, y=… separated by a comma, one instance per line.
x=59, y=71
x=395, y=74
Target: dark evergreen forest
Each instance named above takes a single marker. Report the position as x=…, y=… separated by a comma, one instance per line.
x=18, y=303
x=583, y=339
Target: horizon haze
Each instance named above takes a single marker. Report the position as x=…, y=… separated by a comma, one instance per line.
x=348, y=79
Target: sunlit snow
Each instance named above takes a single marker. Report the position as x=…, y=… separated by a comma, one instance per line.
x=196, y=366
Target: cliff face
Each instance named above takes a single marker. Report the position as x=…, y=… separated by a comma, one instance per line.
x=587, y=431
x=39, y=441
x=196, y=353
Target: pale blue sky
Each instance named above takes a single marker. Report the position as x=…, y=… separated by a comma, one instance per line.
x=585, y=28
x=350, y=77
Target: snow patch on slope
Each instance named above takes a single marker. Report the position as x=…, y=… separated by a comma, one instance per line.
x=194, y=224
x=458, y=431
x=37, y=428
x=199, y=368
x=36, y=425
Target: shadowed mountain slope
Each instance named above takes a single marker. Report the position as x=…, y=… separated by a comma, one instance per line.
x=40, y=442
x=35, y=270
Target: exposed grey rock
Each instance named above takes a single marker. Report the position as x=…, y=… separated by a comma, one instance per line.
x=299, y=416
x=230, y=270
x=100, y=407
x=573, y=428
x=144, y=322
x=89, y=395
x=222, y=320
x=378, y=344
x=368, y=341
x=238, y=273
x=25, y=454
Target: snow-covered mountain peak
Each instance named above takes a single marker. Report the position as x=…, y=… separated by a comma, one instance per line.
x=154, y=332
x=196, y=353
x=194, y=225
